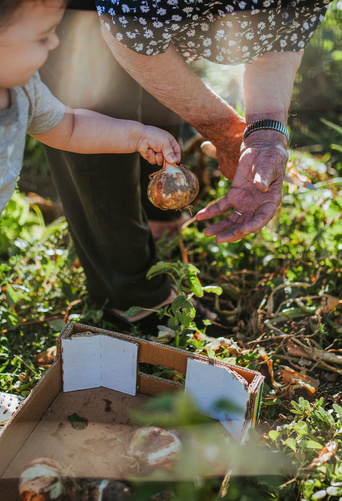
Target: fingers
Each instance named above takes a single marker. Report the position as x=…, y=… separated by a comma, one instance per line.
x=157, y=145
x=157, y=157
x=238, y=225
x=235, y=218
x=215, y=209
x=170, y=156
x=171, y=150
x=209, y=149
x=240, y=230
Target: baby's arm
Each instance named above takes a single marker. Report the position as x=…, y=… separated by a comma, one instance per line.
x=84, y=131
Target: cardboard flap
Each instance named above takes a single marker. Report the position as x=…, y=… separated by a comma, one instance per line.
x=92, y=361
x=213, y=386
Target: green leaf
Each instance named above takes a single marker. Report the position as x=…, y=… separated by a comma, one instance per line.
x=57, y=324
x=195, y=285
x=274, y=434
x=132, y=311
x=192, y=269
x=77, y=422
x=336, y=127
x=290, y=442
x=159, y=268
x=312, y=444
x=15, y=295
x=214, y=289
x=338, y=409
x=225, y=405
x=319, y=494
x=183, y=310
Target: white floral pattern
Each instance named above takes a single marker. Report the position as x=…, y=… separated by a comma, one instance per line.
x=237, y=31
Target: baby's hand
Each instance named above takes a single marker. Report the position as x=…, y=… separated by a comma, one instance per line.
x=156, y=144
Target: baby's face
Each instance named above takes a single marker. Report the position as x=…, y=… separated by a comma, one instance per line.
x=26, y=42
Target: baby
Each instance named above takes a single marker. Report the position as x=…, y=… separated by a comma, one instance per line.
x=27, y=34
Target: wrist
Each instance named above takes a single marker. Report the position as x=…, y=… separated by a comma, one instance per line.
x=140, y=133
x=266, y=137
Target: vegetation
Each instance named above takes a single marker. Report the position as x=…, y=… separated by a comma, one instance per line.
x=280, y=292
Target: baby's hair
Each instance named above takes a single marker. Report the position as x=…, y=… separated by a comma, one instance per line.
x=9, y=7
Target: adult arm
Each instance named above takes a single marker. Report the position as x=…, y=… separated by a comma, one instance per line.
x=268, y=82
x=168, y=78
x=85, y=131
x=256, y=190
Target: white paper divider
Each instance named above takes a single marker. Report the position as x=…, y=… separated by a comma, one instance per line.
x=93, y=361
x=211, y=384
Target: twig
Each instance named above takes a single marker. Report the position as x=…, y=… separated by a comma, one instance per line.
x=39, y=320
x=182, y=248
x=288, y=284
x=73, y=303
x=315, y=354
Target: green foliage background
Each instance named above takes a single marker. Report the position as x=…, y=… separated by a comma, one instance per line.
x=284, y=282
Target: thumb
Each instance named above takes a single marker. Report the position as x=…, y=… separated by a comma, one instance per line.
x=172, y=152
x=209, y=149
x=170, y=156
x=262, y=179
x=272, y=163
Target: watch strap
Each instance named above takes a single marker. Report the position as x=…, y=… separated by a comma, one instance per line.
x=266, y=123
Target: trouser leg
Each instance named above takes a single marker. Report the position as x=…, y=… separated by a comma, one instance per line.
x=101, y=194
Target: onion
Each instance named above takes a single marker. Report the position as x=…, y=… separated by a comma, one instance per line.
x=41, y=480
x=154, y=447
x=173, y=187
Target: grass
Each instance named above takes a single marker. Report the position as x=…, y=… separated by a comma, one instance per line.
x=280, y=291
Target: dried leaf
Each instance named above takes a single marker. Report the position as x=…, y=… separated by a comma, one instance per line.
x=269, y=363
x=221, y=343
x=296, y=179
x=332, y=302
x=46, y=357
x=296, y=351
x=292, y=377
x=325, y=454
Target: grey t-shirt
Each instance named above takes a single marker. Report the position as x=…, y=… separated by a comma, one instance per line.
x=33, y=110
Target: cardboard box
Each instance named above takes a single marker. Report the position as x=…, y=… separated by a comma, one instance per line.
x=96, y=376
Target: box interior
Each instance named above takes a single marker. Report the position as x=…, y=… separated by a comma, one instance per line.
x=96, y=377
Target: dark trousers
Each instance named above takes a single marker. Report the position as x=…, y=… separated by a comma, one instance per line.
x=104, y=196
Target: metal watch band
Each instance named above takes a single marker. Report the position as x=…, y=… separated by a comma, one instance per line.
x=266, y=124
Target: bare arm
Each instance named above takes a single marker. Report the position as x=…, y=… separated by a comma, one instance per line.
x=84, y=131
x=257, y=183
x=168, y=78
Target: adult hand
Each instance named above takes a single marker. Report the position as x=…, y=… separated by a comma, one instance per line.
x=256, y=190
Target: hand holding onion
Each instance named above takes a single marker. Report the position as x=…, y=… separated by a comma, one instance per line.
x=157, y=146
x=173, y=187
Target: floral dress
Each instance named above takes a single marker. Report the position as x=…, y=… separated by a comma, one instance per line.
x=227, y=32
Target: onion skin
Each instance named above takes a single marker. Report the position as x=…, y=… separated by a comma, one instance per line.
x=153, y=448
x=173, y=187
x=41, y=480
